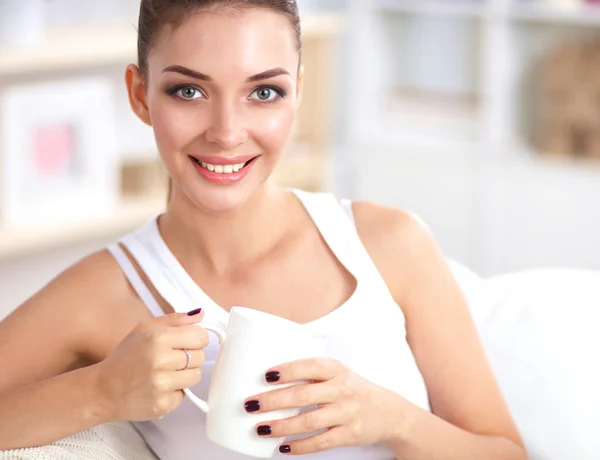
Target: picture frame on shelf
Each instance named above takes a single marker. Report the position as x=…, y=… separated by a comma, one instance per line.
x=58, y=152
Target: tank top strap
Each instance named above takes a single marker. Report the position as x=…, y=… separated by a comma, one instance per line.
x=332, y=223
x=347, y=207
x=158, y=270
x=135, y=280
x=335, y=221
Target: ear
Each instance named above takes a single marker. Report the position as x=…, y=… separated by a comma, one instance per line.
x=136, y=89
x=300, y=85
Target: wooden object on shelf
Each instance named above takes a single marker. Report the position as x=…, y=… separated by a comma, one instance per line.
x=582, y=14
x=144, y=178
x=567, y=109
x=313, y=130
x=302, y=173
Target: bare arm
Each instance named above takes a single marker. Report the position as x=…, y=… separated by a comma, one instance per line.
x=46, y=390
x=470, y=419
x=85, y=351
x=43, y=412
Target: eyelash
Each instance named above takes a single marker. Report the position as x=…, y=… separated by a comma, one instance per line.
x=280, y=92
x=173, y=91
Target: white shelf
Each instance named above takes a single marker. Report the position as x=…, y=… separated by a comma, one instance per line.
x=127, y=217
x=111, y=43
x=539, y=13
x=460, y=8
x=73, y=48
x=414, y=144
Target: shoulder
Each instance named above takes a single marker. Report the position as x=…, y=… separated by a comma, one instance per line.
x=96, y=276
x=397, y=241
x=79, y=317
x=376, y=221
x=91, y=300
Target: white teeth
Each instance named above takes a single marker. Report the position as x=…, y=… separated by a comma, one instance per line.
x=222, y=169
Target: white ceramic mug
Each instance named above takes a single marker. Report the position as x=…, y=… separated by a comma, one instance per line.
x=253, y=343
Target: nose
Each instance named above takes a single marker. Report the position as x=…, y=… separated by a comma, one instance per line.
x=226, y=128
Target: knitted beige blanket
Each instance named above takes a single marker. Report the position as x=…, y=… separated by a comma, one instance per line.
x=112, y=441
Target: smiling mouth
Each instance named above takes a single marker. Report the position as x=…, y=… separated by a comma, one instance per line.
x=223, y=169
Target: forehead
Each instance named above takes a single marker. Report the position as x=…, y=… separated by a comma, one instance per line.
x=224, y=43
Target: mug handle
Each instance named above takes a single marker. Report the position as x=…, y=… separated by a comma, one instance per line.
x=200, y=403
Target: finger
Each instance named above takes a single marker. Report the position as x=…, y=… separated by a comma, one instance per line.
x=308, y=422
x=177, y=360
x=330, y=439
x=192, y=337
x=319, y=369
x=167, y=403
x=169, y=381
x=179, y=319
x=295, y=396
x=188, y=378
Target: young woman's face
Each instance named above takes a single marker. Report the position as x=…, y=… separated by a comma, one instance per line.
x=221, y=93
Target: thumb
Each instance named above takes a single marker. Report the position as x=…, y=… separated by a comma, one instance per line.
x=181, y=319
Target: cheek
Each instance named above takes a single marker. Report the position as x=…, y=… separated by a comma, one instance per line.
x=274, y=129
x=174, y=127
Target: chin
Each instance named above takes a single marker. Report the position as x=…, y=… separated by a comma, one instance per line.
x=221, y=199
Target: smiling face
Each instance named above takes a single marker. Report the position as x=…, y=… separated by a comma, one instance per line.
x=221, y=93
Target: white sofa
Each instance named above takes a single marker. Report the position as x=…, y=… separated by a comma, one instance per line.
x=540, y=330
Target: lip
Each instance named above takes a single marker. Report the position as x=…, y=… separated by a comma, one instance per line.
x=224, y=178
x=215, y=160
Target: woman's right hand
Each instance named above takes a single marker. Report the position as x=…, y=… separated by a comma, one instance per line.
x=144, y=376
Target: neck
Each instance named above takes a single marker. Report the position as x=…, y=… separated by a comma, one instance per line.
x=222, y=242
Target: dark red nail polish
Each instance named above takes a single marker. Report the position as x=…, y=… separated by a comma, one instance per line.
x=285, y=449
x=252, y=406
x=272, y=376
x=194, y=312
x=264, y=430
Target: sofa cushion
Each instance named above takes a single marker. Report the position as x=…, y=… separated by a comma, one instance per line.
x=541, y=335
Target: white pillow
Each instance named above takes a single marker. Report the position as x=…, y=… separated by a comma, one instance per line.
x=474, y=288
x=542, y=338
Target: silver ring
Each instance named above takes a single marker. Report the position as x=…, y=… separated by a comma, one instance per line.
x=189, y=359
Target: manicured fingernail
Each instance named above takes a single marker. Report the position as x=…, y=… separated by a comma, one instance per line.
x=264, y=430
x=194, y=312
x=285, y=449
x=272, y=376
x=252, y=406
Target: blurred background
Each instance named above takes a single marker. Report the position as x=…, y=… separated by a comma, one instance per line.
x=481, y=116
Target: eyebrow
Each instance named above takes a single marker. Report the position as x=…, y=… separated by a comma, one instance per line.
x=271, y=73
x=267, y=74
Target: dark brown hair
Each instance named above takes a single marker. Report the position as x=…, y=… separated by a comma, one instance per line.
x=155, y=14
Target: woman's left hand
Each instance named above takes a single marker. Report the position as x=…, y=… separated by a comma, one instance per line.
x=353, y=410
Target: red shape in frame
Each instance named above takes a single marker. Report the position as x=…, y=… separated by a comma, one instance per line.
x=54, y=149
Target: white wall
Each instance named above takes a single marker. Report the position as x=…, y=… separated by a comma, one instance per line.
x=23, y=276
x=495, y=217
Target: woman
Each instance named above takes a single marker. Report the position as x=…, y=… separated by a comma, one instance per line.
x=220, y=83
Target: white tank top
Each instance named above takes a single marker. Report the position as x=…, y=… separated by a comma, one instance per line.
x=381, y=355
